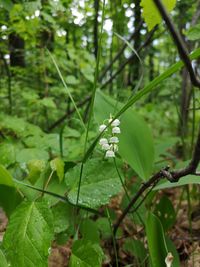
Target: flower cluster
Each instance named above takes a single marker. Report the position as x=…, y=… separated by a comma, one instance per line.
x=110, y=141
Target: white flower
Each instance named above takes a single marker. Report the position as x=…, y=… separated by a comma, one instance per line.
x=116, y=130
x=115, y=147
x=114, y=140
x=102, y=127
x=110, y=154
x=169, y=259
x=105, y=147
x=115, y=123
x=103, y=141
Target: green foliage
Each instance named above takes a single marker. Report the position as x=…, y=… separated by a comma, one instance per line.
x=5, y=177
x=28, y=238
x=57, y=165
x=165, y=212
x=136, y=144
x=193, y=33
x=3, y=261
x=156, y=241
x=99, y=183
x=86, y=254
x=151, y=14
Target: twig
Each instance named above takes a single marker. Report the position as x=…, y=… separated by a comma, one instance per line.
x=184, y=55
x=172, y=176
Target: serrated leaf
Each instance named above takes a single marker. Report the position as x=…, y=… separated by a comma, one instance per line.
x=5, y=177
x=151, y=14
x=100, y=182
x=3, y=261
x=86, y=254
x=57, y=165
x=29, y=234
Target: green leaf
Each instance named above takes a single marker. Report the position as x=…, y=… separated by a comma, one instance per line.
x=89, y=231
x=151, y=13
x=9, y=199
x=5, y=177
x=3, y=261
x=171, y=248
x=7, y=154
x=137, y=249
x=156, y=241
x=193, y=33
x=57, y=165
x=28, y=154
x=35, y=167
x=135, y=141
x=7, y=4
x=63, y=216
x=99, y=183
x=136, y=144
x=166, y=213
x=29, y=234
x=86, y=254
x=189, y=179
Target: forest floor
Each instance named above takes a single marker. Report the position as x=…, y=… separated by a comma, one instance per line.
x=187, y=243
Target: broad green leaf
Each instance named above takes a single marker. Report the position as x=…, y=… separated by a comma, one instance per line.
x=189, y=179
x=151, y=13
x=99, y=183
x=3, y=261
x=7, y=154
x=27, y=240
x=136, y=144
x=89, y=231
x=35, y=167
x=9, y=199
x=165, y=212
x=156, y=241
x=86, y=254
x=135, y=141
x=147, y=89
x=57, y=165
x=171, y=248
x=137, y=249
x=63, y=217
x=28, y=154
x=193, y=33
x=5, y=177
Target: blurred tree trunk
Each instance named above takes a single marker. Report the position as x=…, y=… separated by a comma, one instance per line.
x=17, y=53
x=134, y=69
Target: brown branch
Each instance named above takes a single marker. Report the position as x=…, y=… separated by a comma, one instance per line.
x=172, y=176
x=184, y=55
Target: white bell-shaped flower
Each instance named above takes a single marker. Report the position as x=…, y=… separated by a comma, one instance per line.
x=115, y=123
x=114, y=140
x=103, y=141
x=110, y=154
x=105, y=146
x=116, y=130
x=102, y=127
